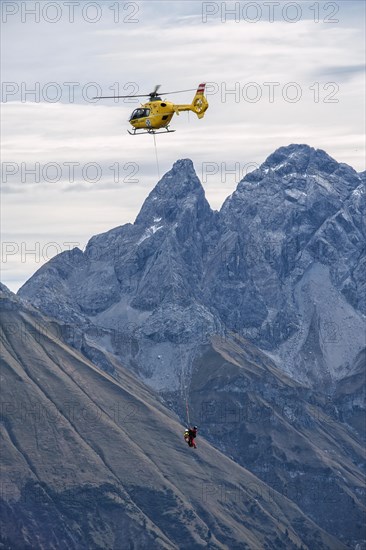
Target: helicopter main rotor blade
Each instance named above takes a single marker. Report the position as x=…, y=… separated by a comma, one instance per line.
x=178, y=91
x=152, y=94
x=119, y=96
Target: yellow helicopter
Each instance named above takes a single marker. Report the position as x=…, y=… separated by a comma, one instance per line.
x=157, y=114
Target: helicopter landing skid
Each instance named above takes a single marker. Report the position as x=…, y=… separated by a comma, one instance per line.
x=137, y=133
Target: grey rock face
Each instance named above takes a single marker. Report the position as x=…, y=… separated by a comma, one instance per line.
x=282, y=264
x=299, y=219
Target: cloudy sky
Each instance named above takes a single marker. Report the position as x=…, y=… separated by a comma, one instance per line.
x=276, y=73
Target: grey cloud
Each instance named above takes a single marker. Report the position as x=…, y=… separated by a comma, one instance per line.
x=340, y=72
x=7, y=189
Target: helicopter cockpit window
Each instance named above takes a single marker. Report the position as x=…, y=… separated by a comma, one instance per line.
x=140, y=113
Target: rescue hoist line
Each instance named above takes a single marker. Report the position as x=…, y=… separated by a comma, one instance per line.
x=184, y=391
x=187, y=412
x=156, y=156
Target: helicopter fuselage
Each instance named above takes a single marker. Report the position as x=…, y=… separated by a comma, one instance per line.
x=153, y=115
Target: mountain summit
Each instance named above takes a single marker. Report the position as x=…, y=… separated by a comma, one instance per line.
x=305, y=160
x=178, y=190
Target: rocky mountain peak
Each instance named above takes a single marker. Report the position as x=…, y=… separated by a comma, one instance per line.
x=177, y=191
x=300, y=159
x=295, y=155
x=301, y=165
x=297, y=173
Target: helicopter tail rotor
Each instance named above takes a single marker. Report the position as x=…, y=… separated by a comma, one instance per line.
x=200, y=103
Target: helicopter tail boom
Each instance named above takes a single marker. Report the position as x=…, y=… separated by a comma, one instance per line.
x=199, y=103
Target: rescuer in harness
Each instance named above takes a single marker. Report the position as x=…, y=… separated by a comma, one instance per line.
x=189, y=436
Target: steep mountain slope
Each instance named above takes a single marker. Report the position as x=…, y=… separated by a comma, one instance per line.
x=89, y=462
x=289, y=435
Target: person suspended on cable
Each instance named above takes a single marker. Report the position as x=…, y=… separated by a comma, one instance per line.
x=190, y=435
